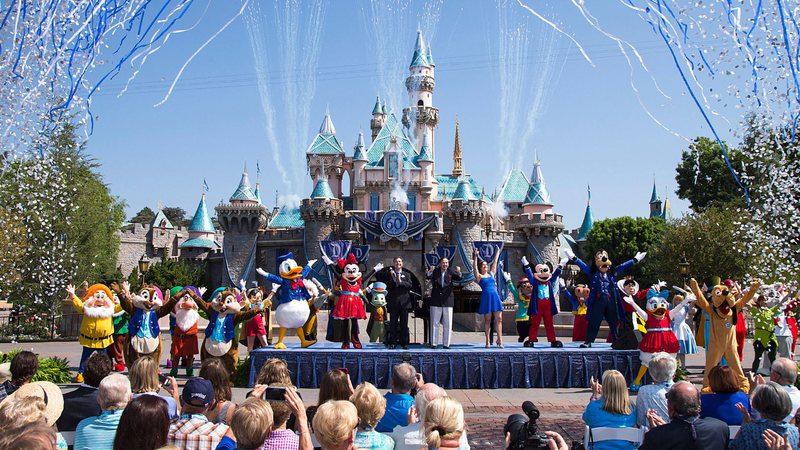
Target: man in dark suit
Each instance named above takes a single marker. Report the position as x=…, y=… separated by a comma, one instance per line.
x=82, y=402
x=399, y=302
x=441, y=302
x=686, y=429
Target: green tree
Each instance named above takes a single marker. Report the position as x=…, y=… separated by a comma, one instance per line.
x=622, y=238
x=703, y=177
x=13, y=245
x=145, y=215
x=171, y=272
x=176, y=215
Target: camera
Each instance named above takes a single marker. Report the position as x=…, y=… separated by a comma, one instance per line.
x=523, y=430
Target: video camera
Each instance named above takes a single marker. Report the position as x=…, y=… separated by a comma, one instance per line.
x=523, y=430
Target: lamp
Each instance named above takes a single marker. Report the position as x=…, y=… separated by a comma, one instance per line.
x=683, y=268
x=144, y=265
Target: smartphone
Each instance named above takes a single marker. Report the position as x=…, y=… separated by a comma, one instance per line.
x=275, y=394
x=344, y=369
x=163, y=380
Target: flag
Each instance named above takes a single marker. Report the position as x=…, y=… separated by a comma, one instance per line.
x=205, y=185
x=258, y=169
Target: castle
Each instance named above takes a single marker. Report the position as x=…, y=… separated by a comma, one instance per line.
x=394, y=175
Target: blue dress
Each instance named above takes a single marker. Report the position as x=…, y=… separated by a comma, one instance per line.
x=490, y=299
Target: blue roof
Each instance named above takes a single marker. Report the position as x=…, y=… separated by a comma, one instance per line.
x=378, y=109
x=358, y=154
x=199, y=243
x=161, y=220
x=537, y=191
x=463, y=191
x=450, y=183
x=322, y=189
x=244, y=192
x=515, y=187
x=588, y=223
x=325, y=143
x=392, y=129
x=654, y=196
x=420, y=57
x=201, y=220
x=425, y=153
x=287, y=217
x=257, y=193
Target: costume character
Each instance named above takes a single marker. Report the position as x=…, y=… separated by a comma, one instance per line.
x=292, y=311
x=578, y=302
x=224, y=314
x=522, y=295
x=722, y=311
x=683, y=332
x=144, y=333
x=741, y=323
x=120, y=331
x=791, y=319
x=376, y=327
x=543, y=302
x=604, y=301
x=97, y=324
x=184, y=337
x=631, y=327
x=349, y=304
x=658, y=320
x=255, y=329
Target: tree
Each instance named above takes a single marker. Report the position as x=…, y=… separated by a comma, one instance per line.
x=145, y=215
x=176, y=215
x=171, y=272
x=13, y=245
x=705, y=180
x=622, y=238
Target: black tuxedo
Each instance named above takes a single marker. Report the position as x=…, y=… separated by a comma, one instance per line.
x=442, y=292
x=711, y=434
x=78, y=405
x=399, y=302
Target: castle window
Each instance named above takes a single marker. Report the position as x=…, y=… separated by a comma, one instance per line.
x=412, y=201
x=420, y=103
x=392, y=159
x=374, y=201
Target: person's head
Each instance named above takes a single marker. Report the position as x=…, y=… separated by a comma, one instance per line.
x=404, y=378
x=48, y=393
x=16, y=412
x=98, y=302
x=397, y=263
x=280, y=410
x=114, y=392
x=761, y=301
x=97, y=367
x=214, y=371
x=722, y=380
x=197, y=396
x=144, y=375
x=273, y=371
x=524, y=286
x=444, y=420
x=662, y=367
x=444, y=263
x=783, y=372
x=615, y=393
x=144, y=424
x=426, y=394
x=630, y=286
x=370, y=404
x=771, y=401
x=23, y=367
x=335, y=424
x=251, y=423
x=335, y=385
x=484, y=268
x=36, y=436
x=683, y=400
x=601, y=261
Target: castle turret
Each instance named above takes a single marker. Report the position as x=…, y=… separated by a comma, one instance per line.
x=201, y=233
x=321, y=215
x=457, y=170
x=326, y=152
x=429, y=185
x=359, y=161
x=241, y=219
x=420, y=114
x=466, y=212
x=378, y=118
x=655, y=203
x=588, y=220
x=537, y=199
x=257, y=193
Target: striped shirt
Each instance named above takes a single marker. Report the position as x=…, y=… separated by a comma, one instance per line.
x=195, y=432
x=98, y=432
x=282, y=440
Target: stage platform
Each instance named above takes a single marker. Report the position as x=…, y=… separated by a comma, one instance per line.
x=463, y=366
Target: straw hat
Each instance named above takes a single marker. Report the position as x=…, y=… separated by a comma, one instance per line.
x=49, y=393
x=5, y=372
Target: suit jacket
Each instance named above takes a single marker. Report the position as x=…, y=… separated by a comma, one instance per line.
x=78, y=405
x=712, y=434
x=442, y=293
x=398, y=298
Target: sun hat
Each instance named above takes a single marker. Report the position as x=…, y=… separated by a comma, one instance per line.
x=49, y=393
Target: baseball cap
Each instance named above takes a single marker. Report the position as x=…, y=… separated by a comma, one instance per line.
x=198, y=392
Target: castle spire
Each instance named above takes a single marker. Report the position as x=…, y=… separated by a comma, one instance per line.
x=655, y=202
x=588, y=219
x=378, y=109
x=201, y=220
x=358, y=153
x=420, y=58
x=457, y=170
x=537, y=190
x=244, y=192
x=327, y=125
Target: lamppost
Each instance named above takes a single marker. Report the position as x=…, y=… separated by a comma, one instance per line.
x=683, y=267
x=144, y=265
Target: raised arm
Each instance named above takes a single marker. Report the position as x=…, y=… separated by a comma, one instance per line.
x=494, y=260
x=76, y=302
x=747, y=295
x=701, y=302
x=475, y=265
x=624, y=267
x=202, y=304
x=572, y=299
x=686, y=300
x=167, y=307
x=270, y=277
x=526, y=267
x=639, y=311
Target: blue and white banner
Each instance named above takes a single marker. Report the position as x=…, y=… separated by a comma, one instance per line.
x=335, y=249
x=446, y=251
x=487, y=249
x=431, y=259
x=361, y=252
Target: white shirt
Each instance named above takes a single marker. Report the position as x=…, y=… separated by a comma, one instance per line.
x=410, y=438
x=794, y=394
x=782, y=326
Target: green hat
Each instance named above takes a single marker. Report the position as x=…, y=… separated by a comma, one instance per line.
x=174, y=291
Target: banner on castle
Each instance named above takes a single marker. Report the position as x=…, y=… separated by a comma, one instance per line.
x=361, y=252
x=335, y=249
x=431, y=259
x=487, y=249
x=446, y=251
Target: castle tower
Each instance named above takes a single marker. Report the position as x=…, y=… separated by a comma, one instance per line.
x=465, y=212
x=420, y=115
x=378, y=118
x=655, y=203
x=429, y=185
x=326, y=152
x=457, y=170
x=537, y=199
x=588, y=220
x=241, y=219
x=201, y=233
x=321, y=214
x=359, y=161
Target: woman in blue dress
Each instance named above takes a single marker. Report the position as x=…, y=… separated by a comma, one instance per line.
x=490, y=299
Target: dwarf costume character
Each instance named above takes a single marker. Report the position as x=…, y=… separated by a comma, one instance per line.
x=522, y=295
x=293, y=296
x=349, y=306
x=543, y=302
x=115, y=350
x=376, y=327
x=578, y=302
x=224, y=314
x=722, y=311
x=184, y=336
x=97, y=325
x=144, y=332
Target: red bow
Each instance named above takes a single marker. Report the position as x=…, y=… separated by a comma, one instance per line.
x=297, y=283
x=351, y=259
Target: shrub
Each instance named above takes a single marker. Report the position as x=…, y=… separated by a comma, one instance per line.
x=52, y=369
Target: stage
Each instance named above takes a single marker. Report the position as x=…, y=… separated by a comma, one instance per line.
x=463, y=366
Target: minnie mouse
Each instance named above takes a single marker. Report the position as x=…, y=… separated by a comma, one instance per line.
x=349, y=304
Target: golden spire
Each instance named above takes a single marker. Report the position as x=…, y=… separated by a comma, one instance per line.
x=457, y=171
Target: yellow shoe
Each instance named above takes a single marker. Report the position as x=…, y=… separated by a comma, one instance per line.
x=280, y=346
x=306, y=344
x=79, y=378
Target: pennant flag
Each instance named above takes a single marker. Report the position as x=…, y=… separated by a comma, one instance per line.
x=205, y=185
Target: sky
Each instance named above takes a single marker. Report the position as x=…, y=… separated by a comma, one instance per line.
x=585, y=121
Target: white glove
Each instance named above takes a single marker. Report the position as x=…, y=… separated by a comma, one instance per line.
x=378, y=267
x=569, y=254
x=563, y=262
x=562, y=283
x=261, y=272
x=242, y=285
x=640, y=256
x=507, y=276
x=311, y=262
x=662, y=284
x=628, y=300
x=327, y=260
x=202, y=290
x=525, y=261
x=275, y=287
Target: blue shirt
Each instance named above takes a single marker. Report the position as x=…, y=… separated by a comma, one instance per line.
x=397, y=406
x=97, y=432
x=372, y=440
x=172, y=406
x=723, y=406
x=750, y=435
x=595, y=417
x=652, y=396
x=225, y=444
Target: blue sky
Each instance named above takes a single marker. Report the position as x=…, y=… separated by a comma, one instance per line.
x=590, y=128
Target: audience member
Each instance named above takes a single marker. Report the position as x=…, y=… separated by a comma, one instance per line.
x=193, y=430
x=97, y=432
x=686, y=429
x=653, y=396
x=144, y=381
x=610, y=406
x=370, y=406
x=39, y=402
x=399, y=400
x=412, y=436
x=772, y=404
x=281, y=438
x=721, y=404
x=274, y=370
x=335, y=425
x=35, y=436
x=23, y=367
x=335, y=385
x=82, y=402
x=443, y=424
x=149, y=413
x=250, y=425
x=784, y=372
x=214, y=371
